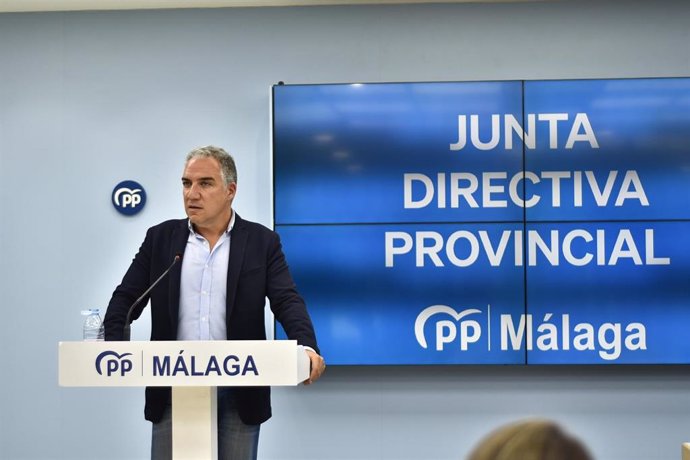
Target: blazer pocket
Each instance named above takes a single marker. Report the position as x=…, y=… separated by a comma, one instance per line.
x=252, y=271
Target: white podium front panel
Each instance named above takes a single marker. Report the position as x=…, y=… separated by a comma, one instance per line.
x=182, y=363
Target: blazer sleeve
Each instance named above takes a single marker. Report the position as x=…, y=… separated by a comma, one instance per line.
x=287, y=305
x=133, y=285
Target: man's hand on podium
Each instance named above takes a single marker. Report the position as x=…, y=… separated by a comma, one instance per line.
x=317, y=366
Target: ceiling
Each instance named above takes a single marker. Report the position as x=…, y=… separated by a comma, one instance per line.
x=7, y=6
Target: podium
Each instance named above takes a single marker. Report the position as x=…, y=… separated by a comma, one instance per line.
x=193, y=369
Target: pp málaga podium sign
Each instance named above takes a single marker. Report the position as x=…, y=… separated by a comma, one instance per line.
x=193, y=369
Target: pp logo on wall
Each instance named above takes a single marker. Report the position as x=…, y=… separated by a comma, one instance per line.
x=129, y=197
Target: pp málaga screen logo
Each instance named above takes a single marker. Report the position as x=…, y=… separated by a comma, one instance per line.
x=129, y=197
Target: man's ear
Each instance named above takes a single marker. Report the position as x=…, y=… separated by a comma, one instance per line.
x=232, y=190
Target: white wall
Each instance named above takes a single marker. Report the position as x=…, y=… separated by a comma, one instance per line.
x=90, y=99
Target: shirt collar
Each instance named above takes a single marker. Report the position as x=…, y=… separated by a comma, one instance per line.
x=231, y=224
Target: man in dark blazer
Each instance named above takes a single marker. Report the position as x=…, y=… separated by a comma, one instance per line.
x=229, y=267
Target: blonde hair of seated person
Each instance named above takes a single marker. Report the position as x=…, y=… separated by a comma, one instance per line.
x=530, y=440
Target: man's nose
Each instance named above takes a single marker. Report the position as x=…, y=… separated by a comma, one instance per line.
x=193, y=191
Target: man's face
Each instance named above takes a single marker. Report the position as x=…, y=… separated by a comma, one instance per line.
x=207, y=199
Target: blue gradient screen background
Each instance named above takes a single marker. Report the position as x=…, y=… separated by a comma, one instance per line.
x=341, y=152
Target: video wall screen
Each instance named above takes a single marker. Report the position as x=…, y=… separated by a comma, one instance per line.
x=511, y=222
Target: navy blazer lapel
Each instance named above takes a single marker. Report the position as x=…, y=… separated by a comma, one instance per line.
x=179, y=238
x=238, y=243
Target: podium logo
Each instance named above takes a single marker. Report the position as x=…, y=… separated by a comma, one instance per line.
x=129, y=197
x=447, y=330
x=113, y=363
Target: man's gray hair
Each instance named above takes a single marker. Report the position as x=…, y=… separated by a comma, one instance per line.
x=228, y=171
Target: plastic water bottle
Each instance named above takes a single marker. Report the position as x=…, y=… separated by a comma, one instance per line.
x=93, y=326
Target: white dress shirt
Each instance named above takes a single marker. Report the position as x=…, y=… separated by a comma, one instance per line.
x=203, y=287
